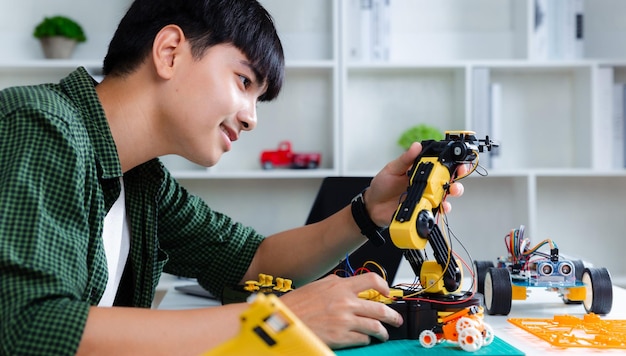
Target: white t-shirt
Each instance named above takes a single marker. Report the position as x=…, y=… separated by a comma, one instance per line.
x=116, y=239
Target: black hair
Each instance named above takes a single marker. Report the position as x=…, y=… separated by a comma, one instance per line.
x=243, y=23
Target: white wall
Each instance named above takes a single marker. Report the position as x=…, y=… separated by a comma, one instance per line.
x=19, y=18
x=246, y=200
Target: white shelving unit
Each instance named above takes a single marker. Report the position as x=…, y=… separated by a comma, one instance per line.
x=551, y=175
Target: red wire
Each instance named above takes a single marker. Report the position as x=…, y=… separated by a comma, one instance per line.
x=361, y=270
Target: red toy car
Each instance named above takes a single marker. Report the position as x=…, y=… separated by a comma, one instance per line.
x=285, y=157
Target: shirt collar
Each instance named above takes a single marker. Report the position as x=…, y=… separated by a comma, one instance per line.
x=80, y=88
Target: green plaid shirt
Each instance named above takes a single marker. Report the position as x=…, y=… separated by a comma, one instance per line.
x=59, y=176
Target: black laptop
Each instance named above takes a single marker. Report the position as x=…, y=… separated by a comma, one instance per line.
x=334, y=194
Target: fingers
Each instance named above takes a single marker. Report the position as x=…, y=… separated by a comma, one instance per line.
x=370, y=325
x=377, y=311
x=367, y=322
x=456, y=189
x=404, y=162
x=366, y=281
x=371, y=309
x=462, y=170
x=341, y=318
x=447, y=207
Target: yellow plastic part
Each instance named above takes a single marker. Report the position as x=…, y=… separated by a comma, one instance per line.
x=431, y=277
x=372, y=294
x=268, y=327
x=283, y=285
x=267, y=281
x=569, y=331
x=251, y=286
x=518, y=293
x=575, y=293
x=456, y=315
x=404, y=234
x=445, y=316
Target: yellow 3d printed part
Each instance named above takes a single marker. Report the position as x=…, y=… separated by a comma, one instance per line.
x=372, y=294
x=268, y=327
x=570, y=331
x=414, y=223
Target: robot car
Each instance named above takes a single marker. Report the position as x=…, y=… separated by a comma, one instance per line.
x=528, y=266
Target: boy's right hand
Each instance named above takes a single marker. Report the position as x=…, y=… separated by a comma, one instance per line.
x=332, y=309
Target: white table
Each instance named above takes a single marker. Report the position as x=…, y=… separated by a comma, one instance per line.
x=545, y=305
x=540, y=304
x=175, y=300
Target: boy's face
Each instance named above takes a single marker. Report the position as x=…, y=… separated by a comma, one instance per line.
x=210, y=101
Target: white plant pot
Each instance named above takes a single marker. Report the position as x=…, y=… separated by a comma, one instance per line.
x=57, y=47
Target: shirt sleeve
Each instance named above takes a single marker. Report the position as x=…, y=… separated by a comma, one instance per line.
x=44, y=235
x=202, y=243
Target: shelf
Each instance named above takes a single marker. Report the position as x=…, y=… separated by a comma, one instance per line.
x=261, y=174
x=442, y=30
x=306, y=28
x=551, y=174
x=555, y=173
x=412, y=96
x=43, y=64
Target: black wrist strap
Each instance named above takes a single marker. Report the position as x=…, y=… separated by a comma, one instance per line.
x=368, y=228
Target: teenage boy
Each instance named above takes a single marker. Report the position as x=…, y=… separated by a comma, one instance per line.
x=89, y=217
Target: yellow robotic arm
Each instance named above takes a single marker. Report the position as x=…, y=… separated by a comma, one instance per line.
x=414, y=225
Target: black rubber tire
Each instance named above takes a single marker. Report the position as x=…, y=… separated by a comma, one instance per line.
x=498, y=291
x=480, y=269
x=579, y=267
x=599, y=298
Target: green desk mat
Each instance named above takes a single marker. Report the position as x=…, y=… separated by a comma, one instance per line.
x=413, y=347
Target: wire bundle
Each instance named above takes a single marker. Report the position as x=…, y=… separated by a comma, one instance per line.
x=415, y=291
x=520, y=250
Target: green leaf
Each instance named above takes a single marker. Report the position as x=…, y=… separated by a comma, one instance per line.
x=419, y=133
x=59, y=26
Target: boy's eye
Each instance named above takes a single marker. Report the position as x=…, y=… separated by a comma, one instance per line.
x=245, y=81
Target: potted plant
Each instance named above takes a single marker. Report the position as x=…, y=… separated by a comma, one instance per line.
x=58, y=36
x=419, y=133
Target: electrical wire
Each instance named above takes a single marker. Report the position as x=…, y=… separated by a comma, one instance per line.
x=416, y=288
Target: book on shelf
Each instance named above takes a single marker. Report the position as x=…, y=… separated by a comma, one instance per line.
x=539, y=32
x=353, y=30
x=558, y=30
x=571, y=17
x=617, y=127
x=380, y=31
x=495, y=124
x=609, y=130
x=601, y=130
x=487, y=114
x=369, y=32
x=481, y=107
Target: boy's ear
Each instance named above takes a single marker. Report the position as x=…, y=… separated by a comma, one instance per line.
x=167, y=45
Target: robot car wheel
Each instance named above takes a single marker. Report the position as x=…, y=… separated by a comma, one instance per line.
x=599, y=290
x=498, y=291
